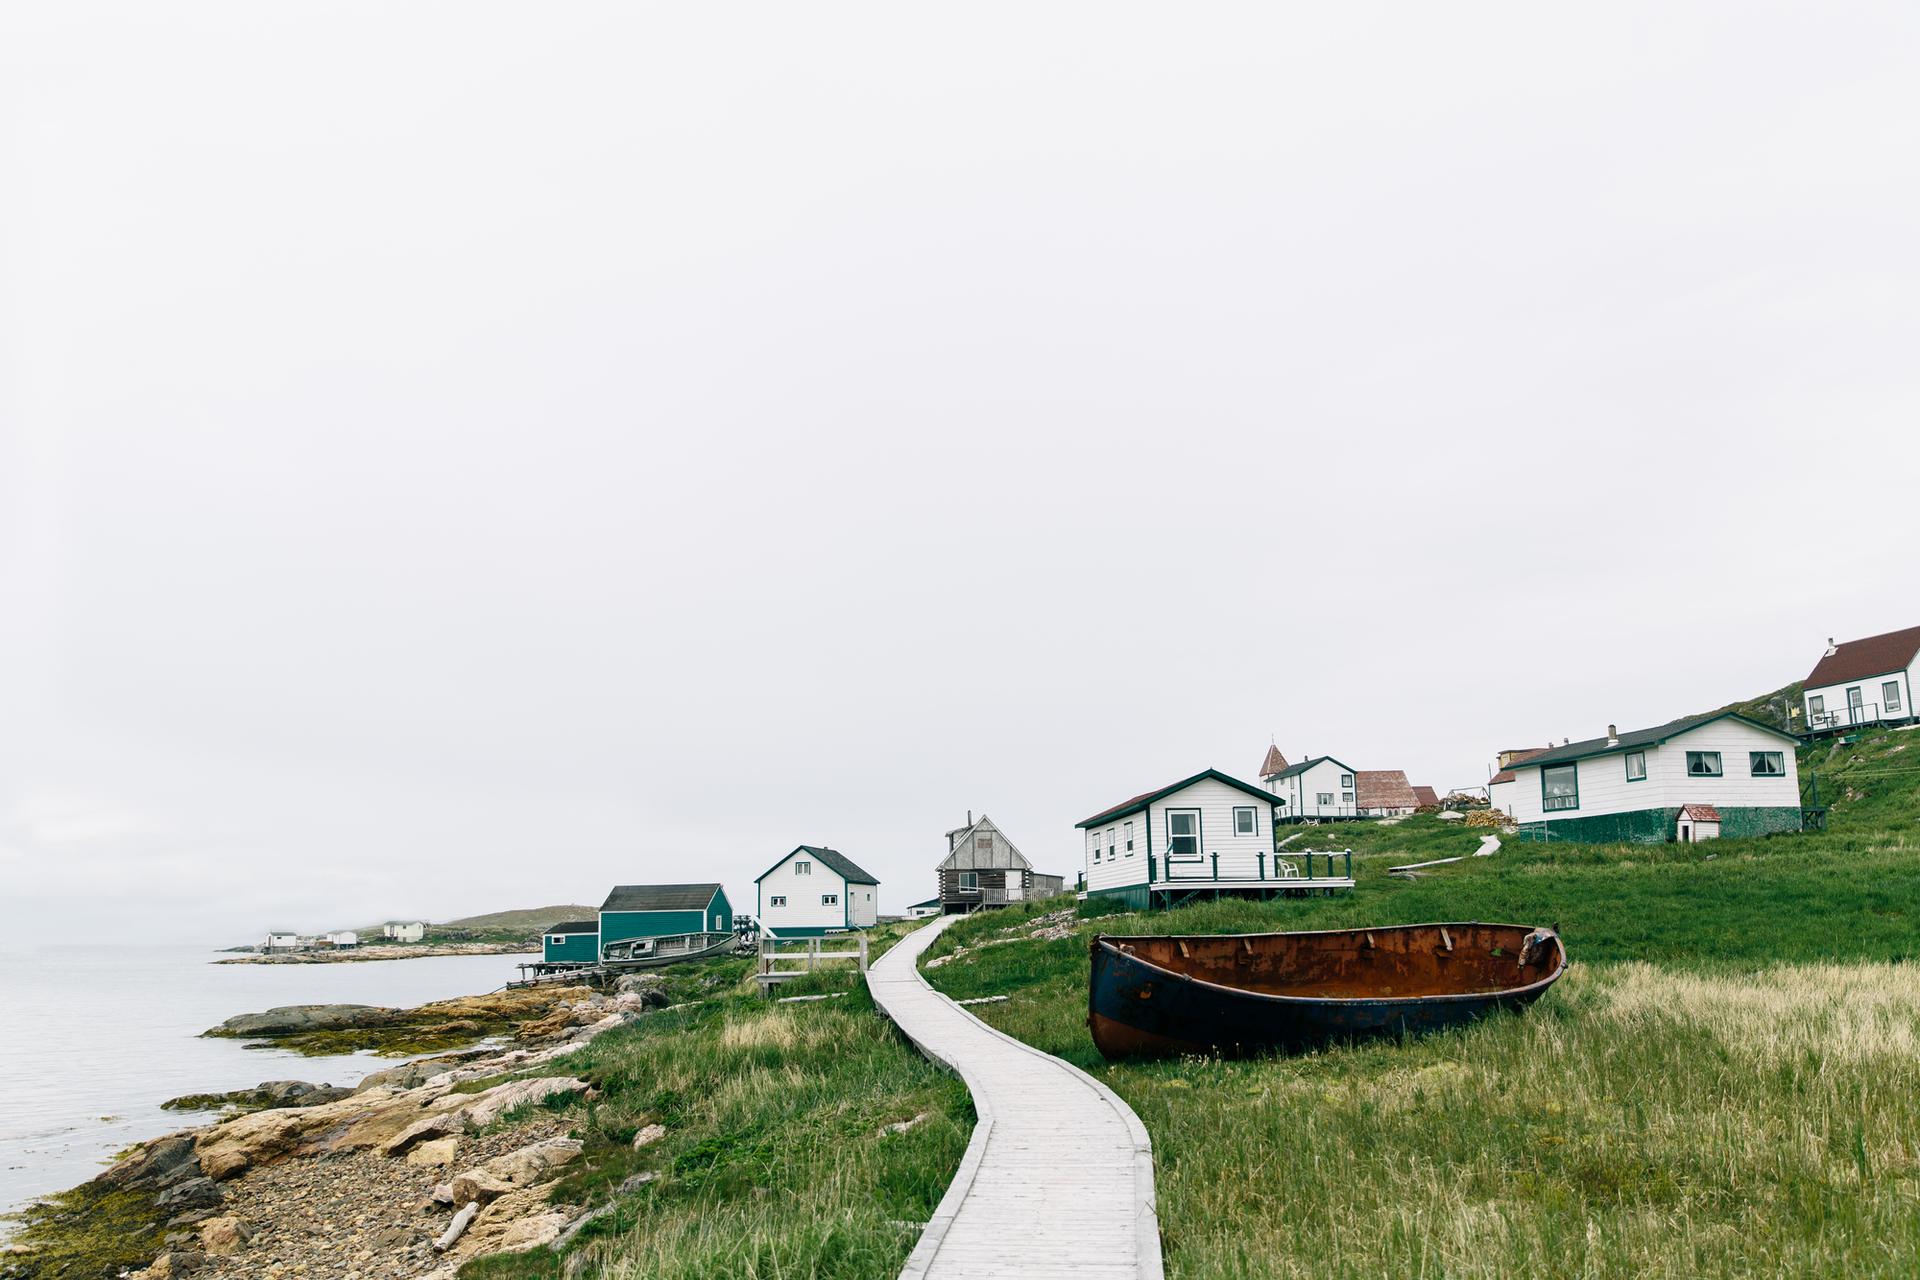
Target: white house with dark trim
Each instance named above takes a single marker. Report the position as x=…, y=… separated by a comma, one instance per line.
x=814, y=891
x=1863, y=682
x=1637, y=786
x=1317, y=788
x=1208, y=834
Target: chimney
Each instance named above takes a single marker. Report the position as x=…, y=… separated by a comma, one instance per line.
x=969, y=817
x=1566, y=742
x=1832, y=648
x=1613, y=735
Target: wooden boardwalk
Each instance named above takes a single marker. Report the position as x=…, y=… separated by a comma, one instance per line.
x=1057, y=1181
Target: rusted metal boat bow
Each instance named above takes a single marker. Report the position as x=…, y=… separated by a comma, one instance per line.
x=1238, y=994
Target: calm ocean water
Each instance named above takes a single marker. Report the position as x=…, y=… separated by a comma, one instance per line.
x=92, y=1042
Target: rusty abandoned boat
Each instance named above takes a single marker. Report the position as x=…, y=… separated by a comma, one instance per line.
x=1249, y=993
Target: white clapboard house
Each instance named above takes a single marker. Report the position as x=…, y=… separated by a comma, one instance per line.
x=1315, y=789
x=1640, y=785
x=1863, y=682
x=1202, y=836
x=814, y=891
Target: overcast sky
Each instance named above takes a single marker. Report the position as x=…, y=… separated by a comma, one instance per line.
x=462, y=456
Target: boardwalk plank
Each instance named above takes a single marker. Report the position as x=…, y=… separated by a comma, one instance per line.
x=1058, y=1177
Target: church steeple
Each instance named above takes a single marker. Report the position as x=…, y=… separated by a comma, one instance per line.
x=1274, y=763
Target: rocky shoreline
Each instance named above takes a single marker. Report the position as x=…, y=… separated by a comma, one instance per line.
x=381, y=951
x=416, y=1170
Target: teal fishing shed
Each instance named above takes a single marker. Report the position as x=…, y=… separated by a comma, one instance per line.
x=634, y=911
x=571, y=942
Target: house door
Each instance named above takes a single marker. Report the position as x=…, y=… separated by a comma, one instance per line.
x=1854, y=704
x=1686, y=834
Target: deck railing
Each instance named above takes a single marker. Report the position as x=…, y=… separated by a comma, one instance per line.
x=1851, y=717
x=1288, y=864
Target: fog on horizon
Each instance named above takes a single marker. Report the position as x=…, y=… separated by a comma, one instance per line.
x=458, y=458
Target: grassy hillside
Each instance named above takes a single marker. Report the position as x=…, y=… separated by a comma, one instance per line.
x=1727, y=1083
x=523, y=925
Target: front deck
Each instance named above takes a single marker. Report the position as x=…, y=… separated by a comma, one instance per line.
x=1283, y=874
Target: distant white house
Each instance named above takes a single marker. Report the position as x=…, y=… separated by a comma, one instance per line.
x=1320, y=787
x=404, y=931
x=1502, y=786
x=283, y=942
x=922, y=910
x=814, y=891
x=1639, y=785
x=1862, y=682
x=342, y=938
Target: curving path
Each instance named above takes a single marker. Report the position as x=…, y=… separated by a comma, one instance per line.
x=1057, y=1180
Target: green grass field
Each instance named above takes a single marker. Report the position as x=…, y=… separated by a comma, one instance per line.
x=1727, y=1083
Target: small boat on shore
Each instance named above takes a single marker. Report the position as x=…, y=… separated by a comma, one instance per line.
x=1250, y=993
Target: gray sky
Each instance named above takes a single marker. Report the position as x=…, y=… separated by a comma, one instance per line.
x=463, y=456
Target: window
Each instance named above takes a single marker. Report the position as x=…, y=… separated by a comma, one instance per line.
x=971, y=879
x=777, y=900
x=1560, y=787
x=1244, y=823
x=1183, y=833
x=1703, y=764
x=983, y=841
x=1346, y=779
x=829, y=899
x=1817, y=705
x=1636, y=766
x=1129, y=834
x=1767, y=764
x=803, y=868
x=1323, y=797
x=1890, y=696
x=1346, y=797
x=1110, y=845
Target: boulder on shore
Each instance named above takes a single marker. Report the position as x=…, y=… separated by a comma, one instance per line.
x=296, y=1019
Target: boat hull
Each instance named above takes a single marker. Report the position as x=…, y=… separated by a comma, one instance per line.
x=1145, y=1005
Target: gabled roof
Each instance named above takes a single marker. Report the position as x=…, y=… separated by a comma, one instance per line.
x=660, y=897
x=930, y=902
x=1701, y=812
x=1862, y=659
x=1382, y=789
x=1274, y=764
x=1641, y=738
x=583, y=926
x=1304, y=765
x=835, y=861
x=963, y=856
x=1146, y=798
x=1424, y=796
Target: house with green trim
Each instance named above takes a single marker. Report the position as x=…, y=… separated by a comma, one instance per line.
x=1205, y=836
x=1863, y=682
x=1639, y=785
x=637, y=920
x=571, y=942
x=1318, y=789
x=815, y=891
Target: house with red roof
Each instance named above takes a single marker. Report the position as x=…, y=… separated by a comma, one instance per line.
x=1863, y=682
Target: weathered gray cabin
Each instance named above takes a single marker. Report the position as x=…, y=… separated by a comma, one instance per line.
x=984, y=869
